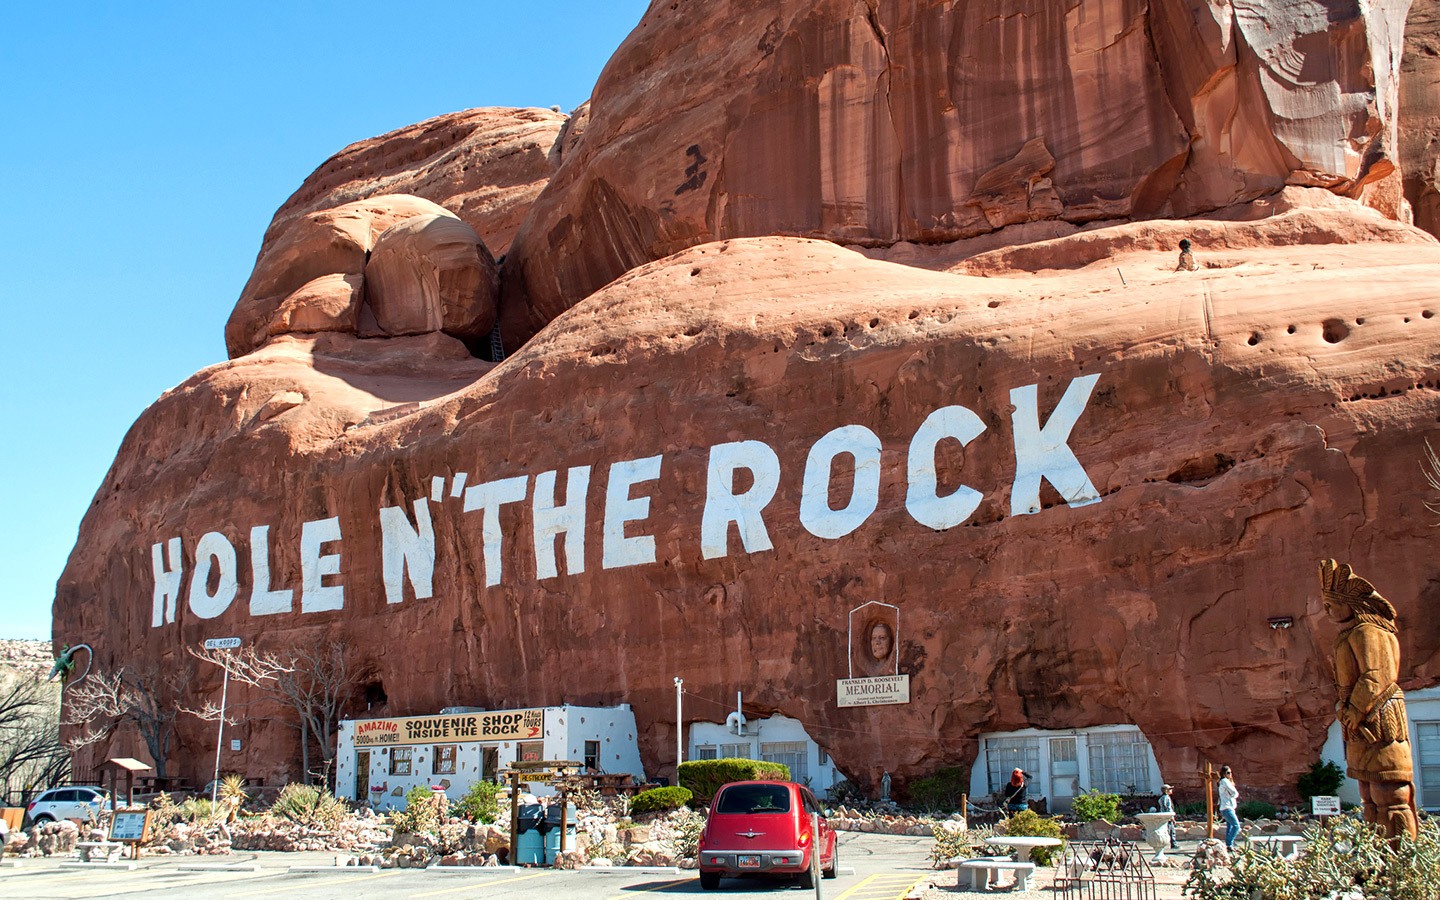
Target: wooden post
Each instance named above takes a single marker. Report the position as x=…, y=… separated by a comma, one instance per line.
x=965, y=810
x=564, y=805
x=1209, y=801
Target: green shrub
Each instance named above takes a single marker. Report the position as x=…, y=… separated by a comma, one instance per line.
x=308, y=805
x=953, y=841
x=1028, y=822
x=1323, y=780
x=1255, y=809
x=1095, y=804
x=481, y=803
x=941, y=791
x=422, y=813
x=1190, y=809
x=706, y=776
x=1343, y=855
x=660, y=800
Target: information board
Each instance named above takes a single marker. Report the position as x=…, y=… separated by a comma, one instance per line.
x=1325, y=806
x=130, y=826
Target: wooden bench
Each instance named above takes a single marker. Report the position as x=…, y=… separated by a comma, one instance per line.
x=969, y=870
x=95, y=851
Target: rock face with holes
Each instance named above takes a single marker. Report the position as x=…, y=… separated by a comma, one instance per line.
x=1087, y=490
x=872, y=122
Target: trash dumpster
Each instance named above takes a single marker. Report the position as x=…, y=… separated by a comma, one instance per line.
x=530, y=841
x=552, y=831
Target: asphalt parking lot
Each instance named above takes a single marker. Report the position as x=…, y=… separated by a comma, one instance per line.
x=873, y=867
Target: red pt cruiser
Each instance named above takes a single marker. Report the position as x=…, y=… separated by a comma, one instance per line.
x=763, y=828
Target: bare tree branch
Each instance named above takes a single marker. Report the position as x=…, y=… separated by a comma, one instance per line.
x=147, y=698
x=1431, y=468
x=320, y=682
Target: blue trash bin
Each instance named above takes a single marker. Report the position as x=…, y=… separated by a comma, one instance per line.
x=530, y=842
x=552, y=833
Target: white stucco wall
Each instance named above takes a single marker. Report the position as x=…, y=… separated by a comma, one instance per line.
x=1040, y=785
x=566, y=729
x=774, y=730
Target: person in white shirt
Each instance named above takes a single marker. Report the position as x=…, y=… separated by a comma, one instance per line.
x=1229, y=798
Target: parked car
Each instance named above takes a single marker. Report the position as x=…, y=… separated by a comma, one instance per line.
x=764, y=828
x=71, y=802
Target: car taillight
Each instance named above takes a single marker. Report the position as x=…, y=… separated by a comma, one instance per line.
x=804, y=837
x=31, y=806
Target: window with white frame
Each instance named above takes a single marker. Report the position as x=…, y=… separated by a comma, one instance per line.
x=791, y=753
x=1428, y=738
x=1004, y=755
x=705, y=751
x=735, y=751
x=1120, y=762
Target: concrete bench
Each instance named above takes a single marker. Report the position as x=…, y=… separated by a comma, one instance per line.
x=93, y=851
x=968, y=873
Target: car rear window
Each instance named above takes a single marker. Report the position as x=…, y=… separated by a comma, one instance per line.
x=755, y=798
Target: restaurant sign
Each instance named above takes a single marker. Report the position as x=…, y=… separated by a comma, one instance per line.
x=506, y=725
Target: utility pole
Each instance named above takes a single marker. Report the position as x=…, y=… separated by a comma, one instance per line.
x=221, y=644
x=679, y=729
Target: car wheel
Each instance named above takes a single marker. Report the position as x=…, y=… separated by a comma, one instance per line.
x=807, y=877
x=834, y=867
x=43, y=818
x=710, y=881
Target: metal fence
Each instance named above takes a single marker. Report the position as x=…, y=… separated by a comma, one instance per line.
x=1106, y=870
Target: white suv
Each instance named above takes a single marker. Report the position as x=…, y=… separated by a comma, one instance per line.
x=83, y=803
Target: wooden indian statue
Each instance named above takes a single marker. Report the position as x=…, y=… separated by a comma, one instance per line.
x=1371, y=707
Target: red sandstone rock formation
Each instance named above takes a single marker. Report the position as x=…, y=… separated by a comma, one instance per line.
x=1420, y=113
x=1247, y=419
x=875, y=122
x=485, y=165
x=1228, y=426
x=390, y=265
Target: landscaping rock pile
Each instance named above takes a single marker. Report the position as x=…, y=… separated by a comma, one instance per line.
x=891, y=821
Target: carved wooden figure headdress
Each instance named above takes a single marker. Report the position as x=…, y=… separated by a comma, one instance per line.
x=1338, y=583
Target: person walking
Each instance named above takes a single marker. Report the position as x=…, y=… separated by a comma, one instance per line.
x=1167, y=804
x=1015, y=792
x=1229, y=799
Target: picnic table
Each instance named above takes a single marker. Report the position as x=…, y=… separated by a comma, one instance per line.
x=1020, y=845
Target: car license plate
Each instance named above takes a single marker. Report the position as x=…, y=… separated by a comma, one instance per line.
x=748, y=862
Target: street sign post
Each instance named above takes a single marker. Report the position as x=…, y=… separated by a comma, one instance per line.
x=230, y=643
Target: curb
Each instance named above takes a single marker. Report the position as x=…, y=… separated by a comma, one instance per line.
x=120, y=866
x=374, y=870
x=219, y=867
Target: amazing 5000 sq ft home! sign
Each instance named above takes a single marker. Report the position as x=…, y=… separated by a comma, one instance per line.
x=407, y=538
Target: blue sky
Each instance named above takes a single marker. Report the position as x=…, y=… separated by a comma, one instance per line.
x=147, y=146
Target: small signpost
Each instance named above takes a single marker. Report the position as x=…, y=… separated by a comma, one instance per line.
x=230, y=643
x=547, y=770
x=1325, y=806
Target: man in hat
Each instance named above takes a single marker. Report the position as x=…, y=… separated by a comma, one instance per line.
x=1167, y=804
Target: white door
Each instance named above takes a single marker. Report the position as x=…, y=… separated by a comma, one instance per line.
x=1064, y=774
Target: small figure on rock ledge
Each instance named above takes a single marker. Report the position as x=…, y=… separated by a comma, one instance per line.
x=1187, y=259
